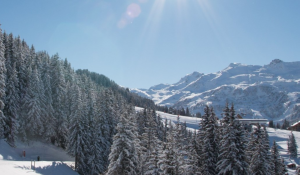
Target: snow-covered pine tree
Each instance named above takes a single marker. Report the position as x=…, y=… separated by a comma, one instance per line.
x=107, y=118
x=68, y=71
x=24, y=80
x=257, y=154
x=95, y=162
x=19, y=59
x=41, y=88
x=32, y=107
x=2, y=85
x=58, y=94
x=141, y=122
x=276, y=160
x=148, y=139
x=292, y=146
x=49, y=119
x=11, y=98
x=152, y=166
x=167, y=160
x=12, y=105
x=178, y=147
x=231, y=146
x=241, y=143
x=283, y=167
x=226, y=115
x=77, y=143
x=210, y=147
x=267, y=148
x=123, y=157
x=160, y=128
x=192, y=158
x=200, y=143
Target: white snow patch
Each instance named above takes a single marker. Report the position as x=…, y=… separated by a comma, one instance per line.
x=53, y=160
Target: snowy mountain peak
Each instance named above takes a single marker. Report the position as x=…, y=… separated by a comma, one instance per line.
x=190, y=77
x=234, y=64
x=269, y=91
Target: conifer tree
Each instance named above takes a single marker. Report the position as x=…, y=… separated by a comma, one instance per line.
x=95, y=162
x=178, y=147
x=49, y=119
x=267, y=149
x=210, y=147
x=123, y=157
x=283, y=167
x=187, y=113
x=19, y=59
x=2, y=85
x=12, y=105
x=231, y=156
x=77, y=142
x=276, y=160
x=257, y=154
x=32, y=107
x=152, y=166
x=192, y=156
x=149, y=141
x=292, y=146
x=108, y=121
x=58, y=94
x=168, y=158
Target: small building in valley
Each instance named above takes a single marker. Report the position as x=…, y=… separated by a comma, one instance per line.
x=295, y=126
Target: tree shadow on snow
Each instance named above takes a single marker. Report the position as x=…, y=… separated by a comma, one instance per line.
x=57, y=168
x=277, y=139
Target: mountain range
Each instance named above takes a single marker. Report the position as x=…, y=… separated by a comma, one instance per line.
x=271, y=91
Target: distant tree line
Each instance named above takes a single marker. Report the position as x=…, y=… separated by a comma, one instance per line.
x=175, y=111
x=103, y=81
x=285, y=124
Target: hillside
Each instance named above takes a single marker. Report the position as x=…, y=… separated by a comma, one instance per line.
x=271, y=91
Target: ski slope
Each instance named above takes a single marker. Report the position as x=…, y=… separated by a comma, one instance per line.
x=191, y=122
x=54, y=161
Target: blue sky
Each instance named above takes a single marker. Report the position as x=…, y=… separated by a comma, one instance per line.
x=140, y=43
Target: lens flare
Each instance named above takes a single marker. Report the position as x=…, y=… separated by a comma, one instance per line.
x=133, y=10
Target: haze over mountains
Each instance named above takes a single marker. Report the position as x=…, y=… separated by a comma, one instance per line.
x=271, y=91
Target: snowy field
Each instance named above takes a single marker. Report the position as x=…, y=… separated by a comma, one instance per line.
x=191, y=122
x=54, y=161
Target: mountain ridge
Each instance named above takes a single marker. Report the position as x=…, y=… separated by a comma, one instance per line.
x=270, y=91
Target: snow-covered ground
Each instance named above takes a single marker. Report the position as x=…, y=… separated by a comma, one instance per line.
x=53, y=160
x=281, y=138
x=191, y=122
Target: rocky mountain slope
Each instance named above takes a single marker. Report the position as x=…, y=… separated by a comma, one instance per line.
x=271, y=91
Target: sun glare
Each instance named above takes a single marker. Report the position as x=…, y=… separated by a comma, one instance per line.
x=153, y=20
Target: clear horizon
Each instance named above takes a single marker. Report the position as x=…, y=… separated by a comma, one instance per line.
x=141, y=43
